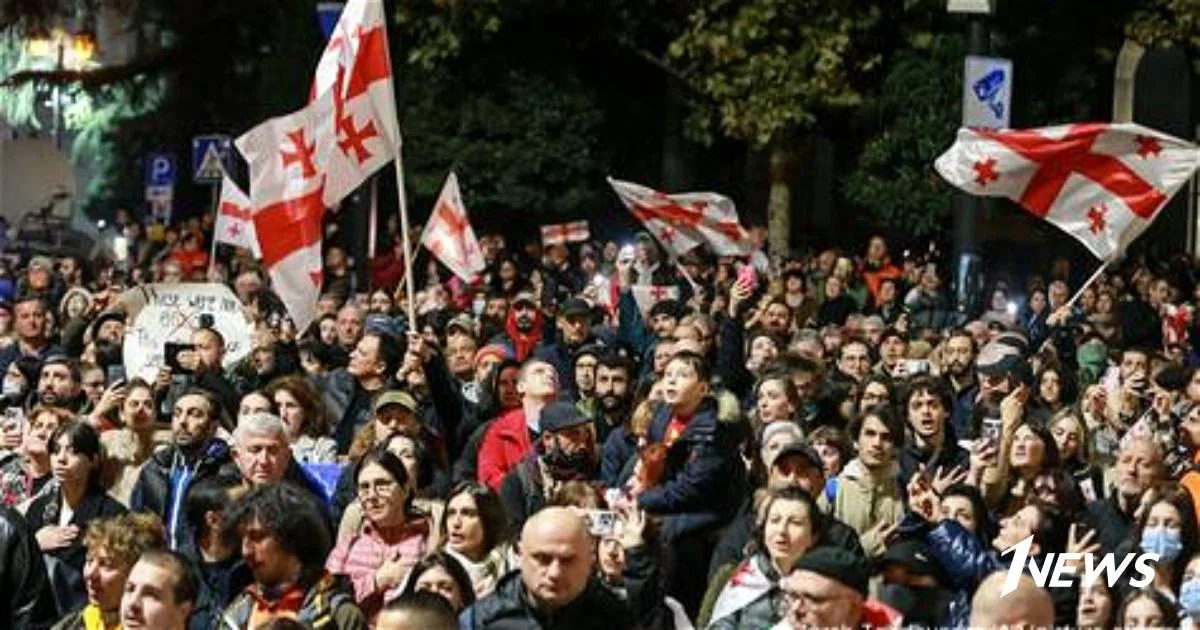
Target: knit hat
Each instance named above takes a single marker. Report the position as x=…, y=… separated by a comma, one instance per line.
x=837, y=564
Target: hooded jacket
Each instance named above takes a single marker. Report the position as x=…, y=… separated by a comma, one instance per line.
x=152, y=492
x=866, y=498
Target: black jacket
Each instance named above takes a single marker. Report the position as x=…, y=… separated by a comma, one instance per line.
x=26, y=602
x=152, y=492
x=950, y=456
x=66, y=563
x=507, y=608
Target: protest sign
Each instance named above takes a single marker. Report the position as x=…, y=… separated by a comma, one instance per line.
x=162, y=313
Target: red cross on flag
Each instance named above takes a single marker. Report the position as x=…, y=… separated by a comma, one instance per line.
x=563, y=233
x=1101, y=183
x=449, y=236
x=647, y=296
x=235, y=221
x=683, y=221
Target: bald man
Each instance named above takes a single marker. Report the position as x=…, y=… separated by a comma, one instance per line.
x=1029, y=606
x=555, y=583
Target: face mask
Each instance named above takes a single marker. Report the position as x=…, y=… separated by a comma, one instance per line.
x=1162, y=541
x=1189, y=597
x=12, y=388
x=566, y=466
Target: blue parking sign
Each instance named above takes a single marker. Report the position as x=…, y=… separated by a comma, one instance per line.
x=160, y=169
x=211, y=157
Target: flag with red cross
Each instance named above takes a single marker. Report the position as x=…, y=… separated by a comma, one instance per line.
x=1101, y=183
x=449, y=236
x=684, y=221
x=235, y=220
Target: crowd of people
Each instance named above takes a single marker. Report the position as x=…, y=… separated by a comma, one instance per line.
x=797, y=441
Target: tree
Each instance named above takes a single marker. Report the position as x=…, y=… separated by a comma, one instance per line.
x=767, y=70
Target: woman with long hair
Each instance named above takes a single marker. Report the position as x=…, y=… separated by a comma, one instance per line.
x=441, y=573
x=305, y=418
x=25, y=474
x=475, y=532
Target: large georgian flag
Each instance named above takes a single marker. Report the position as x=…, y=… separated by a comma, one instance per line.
x=1101, y=183
x=311, y=159
x=683, y=221
x=449, y=235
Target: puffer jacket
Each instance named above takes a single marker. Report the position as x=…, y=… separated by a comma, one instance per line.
x=965, y=561
x=705, y=480
x=507, y=608
x=152, y=492
x=866, y=498
x=328, y=605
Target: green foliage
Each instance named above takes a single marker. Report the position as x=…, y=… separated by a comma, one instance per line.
x=1166, y=23
x=769, y=67
x=917, y=112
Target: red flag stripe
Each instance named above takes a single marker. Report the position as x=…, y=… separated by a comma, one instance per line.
x=230, y=209
x=289, y=225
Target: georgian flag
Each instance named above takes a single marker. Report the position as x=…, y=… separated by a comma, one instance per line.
x=1101, y=183
x=449, y=236
x=563, y=233
x=235, y=219
x=681, y=222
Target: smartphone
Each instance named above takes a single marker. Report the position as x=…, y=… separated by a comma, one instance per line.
x=990, y=429
x=171, y=355
x=916, y=366
x=601, y=523
x=748, y=277
x=113, y=374
x=13, y=419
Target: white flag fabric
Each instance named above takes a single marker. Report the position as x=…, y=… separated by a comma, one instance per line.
x=449, y=236
x=313, y=158
x=683, y=221
x=563, y=233
x=235, y=219
x=1101, y=183
x=647, y=296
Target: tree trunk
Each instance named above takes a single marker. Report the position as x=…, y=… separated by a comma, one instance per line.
x=779, y=202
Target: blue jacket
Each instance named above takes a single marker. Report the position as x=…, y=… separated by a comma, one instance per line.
x=705, y=480
x=966, y=563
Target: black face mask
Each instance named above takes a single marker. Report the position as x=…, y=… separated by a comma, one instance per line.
x=921, y=607
x=564, y=466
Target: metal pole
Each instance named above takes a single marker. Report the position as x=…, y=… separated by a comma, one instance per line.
x=969, y=210
x=58, y=123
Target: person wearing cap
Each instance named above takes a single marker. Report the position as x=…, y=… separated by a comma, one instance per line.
x=32, y=332
x=40, y=280
x=574, y=327
x=583, y=374
x=868, y=498
x=523, y=328
x=829, y=589
x=790, y=462
x=914, y=584
x=568, y=453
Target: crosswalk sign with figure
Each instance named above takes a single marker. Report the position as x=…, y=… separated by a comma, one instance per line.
x=211, y=155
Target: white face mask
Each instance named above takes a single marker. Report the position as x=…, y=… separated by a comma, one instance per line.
x=12, y=388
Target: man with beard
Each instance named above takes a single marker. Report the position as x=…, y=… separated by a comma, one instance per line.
x=568, y=453
x=59, y=384
x=523, y=327
x=491, y=321
x=194, y=454
x=614, y=376
x=958, y=357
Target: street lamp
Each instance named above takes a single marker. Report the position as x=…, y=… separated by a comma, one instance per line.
x=68, y=51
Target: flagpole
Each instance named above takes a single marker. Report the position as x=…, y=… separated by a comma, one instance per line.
x=216, y=202
x=1095, y=276
x=408, y=257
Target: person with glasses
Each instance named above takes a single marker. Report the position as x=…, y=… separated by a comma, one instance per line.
x=392, y=539
x=828, y=589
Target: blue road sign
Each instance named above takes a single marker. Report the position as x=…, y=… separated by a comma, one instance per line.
x=160, y=169
x=211, y=154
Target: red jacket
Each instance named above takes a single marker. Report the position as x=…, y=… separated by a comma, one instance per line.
x=504, y=445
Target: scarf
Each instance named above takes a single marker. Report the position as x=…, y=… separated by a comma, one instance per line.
x=748, y=584
x=93, y=619
x=523, y=343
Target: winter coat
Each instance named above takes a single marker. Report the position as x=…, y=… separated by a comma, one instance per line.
x=865, y=499
x=152, y=493
x=65, y=564
x=505, y=444
x=950, y=456
x=966, y=563
x=26, y=603
x=705, y=478
x=508, y=608
x=762, y=611
x=350, y=406
x=328, y=605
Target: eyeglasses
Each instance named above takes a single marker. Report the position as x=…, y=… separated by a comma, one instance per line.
x=380, y=487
